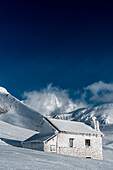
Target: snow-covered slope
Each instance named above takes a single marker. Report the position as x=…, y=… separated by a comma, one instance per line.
x=16, y=113
x=14, y=157
x=103, y=113
x=12, y=133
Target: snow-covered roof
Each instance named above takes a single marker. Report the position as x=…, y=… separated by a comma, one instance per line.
x=39, y=137
x=63, y=126
x=73, y=127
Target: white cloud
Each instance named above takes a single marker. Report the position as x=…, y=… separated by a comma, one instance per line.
x=51, y=100
x=101, y=92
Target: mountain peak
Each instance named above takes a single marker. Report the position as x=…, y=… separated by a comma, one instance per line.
x=3, y=90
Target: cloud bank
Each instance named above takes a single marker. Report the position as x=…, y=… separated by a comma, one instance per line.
x=51, y=101
x=99, y=92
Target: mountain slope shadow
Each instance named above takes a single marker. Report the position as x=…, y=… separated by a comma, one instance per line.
x=12, y=142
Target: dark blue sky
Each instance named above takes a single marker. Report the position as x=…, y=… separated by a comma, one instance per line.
x=67, y=43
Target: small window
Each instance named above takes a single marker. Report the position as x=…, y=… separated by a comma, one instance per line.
x=87, y=143
x=88, y=157
x=71, y=142
x=52, y=148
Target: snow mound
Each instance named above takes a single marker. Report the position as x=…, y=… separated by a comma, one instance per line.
x=3, y=90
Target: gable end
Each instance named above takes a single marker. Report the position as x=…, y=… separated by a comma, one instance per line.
x=52, y=124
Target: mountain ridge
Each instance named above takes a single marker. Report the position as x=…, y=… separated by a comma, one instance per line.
x=16, y=113
x=103, y=113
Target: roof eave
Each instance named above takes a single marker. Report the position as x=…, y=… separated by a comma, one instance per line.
x=91, y=134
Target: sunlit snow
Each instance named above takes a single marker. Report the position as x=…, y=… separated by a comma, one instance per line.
x=14, y=157
x=3, y=90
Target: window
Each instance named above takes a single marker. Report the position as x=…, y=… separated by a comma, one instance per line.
x=88, y=157
x=87, y=142
x=52, y=148
x=71, y=142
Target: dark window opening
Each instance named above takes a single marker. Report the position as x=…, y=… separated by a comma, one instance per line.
x=88, y=157
x=87, y=143
x=71, y=142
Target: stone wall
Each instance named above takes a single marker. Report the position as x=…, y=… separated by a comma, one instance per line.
x=51, y=143
x=34, y=145
x=79, y=149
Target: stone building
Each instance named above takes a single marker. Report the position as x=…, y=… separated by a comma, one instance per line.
x=67, y=137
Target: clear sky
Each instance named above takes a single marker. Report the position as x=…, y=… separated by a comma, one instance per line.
x=67, y=43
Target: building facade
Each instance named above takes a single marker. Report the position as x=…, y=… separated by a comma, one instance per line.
x=67, y=137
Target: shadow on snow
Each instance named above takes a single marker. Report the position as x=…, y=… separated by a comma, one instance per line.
x=12, y=142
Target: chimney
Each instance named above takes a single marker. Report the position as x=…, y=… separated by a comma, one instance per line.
x=96, y=123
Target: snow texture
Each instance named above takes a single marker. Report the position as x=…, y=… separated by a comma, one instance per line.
x=13, y=157
x=103, y=113
x=16, y=113
x=73, y=127
x=3, y=90
x=39, y=137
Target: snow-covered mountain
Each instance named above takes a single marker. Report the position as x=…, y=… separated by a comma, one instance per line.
x=14, y=157
x=16, y=113
x=103, y=113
